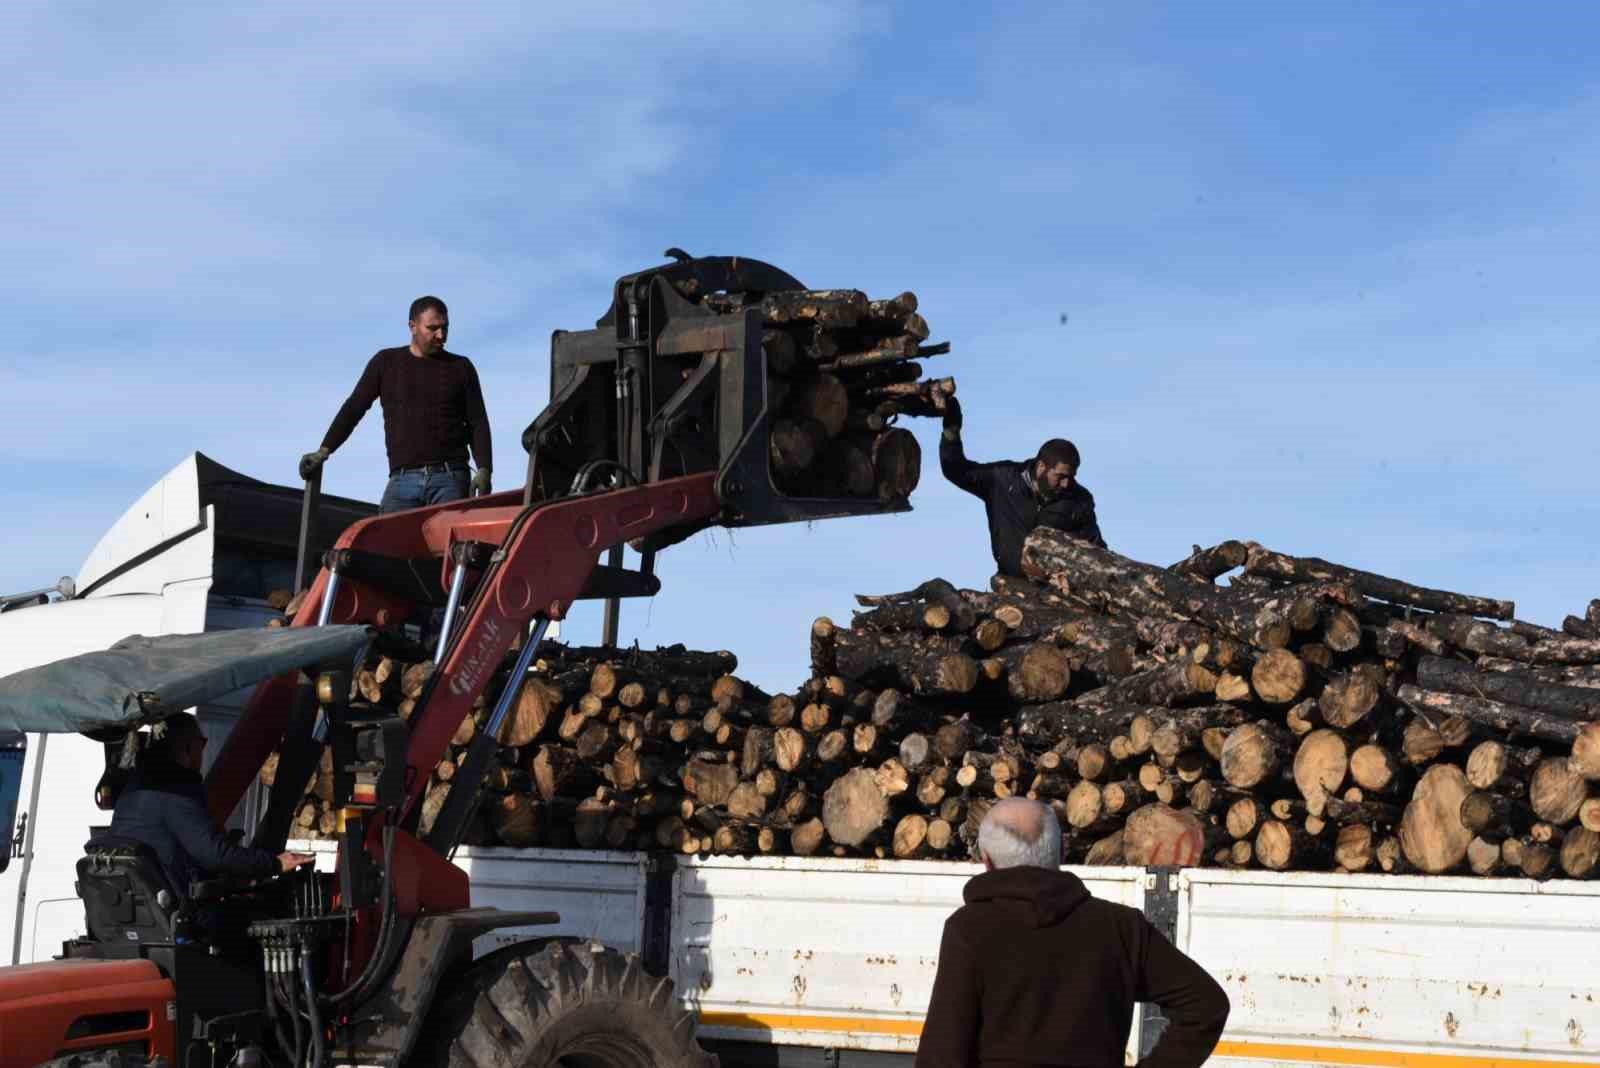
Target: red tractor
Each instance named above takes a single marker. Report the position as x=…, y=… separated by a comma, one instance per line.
x=657, y=427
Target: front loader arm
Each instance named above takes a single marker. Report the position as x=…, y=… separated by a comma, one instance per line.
x=546, y=555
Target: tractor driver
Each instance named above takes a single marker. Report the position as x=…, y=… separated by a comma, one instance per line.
x=1019, y=495
x=164, y=807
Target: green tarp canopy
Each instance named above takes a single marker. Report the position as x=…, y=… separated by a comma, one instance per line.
x=141, y=679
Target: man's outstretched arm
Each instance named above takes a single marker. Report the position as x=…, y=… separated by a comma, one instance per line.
x=975, y=478
x=355, y=406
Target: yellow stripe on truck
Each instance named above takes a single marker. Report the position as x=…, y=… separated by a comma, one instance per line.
x=1379, y=1058
x=1255, y=1051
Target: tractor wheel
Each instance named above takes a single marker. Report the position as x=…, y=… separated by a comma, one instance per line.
x=565, y=1003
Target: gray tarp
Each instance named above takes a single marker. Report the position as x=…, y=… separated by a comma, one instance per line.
x=141, y=679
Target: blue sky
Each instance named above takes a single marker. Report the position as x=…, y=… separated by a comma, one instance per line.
x=1327, y=271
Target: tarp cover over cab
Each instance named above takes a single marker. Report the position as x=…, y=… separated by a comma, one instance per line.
x=142, y=679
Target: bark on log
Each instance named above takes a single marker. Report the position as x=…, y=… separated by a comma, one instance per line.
x=925, y=664
x=1208, y=565
x=1453, y=676
x=1285, y=568
x=1258, y=618
x=1586, y=752
x=1496, y=715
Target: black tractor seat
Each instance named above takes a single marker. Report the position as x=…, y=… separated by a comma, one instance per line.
x=127, y=899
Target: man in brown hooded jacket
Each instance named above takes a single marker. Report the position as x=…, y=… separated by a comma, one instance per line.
x=1034, y=970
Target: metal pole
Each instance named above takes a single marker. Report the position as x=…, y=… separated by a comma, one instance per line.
x=611, y=620
x=310, y=504
x=458, y=582
x=519, y=672
x=329, y=592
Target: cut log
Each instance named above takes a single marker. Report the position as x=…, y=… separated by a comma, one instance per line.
x=557, y=771
x=1495, y=817
x=1556, y=790
x=1431, y=832
x=1580, y=853
x=822, y=648
x=1255, y=753
x=1036, y=672
x=1278, y=677
x=922, y=663
x=1170, y=685
x=1160, y=835
x=896, y=463
x=1320, y=766
x=515, y=819
x=1208, y=565
x=1515, y=688
x=1285, y=568
x=1497, y=715
x=854, y=808
x=1258, y=618
x=1348, y=698
x=1372, y=813
x=1280, y=847
x=1355, y=847
x=1586, y=752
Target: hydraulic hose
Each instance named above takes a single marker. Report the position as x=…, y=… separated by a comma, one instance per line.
x=373, y=972
x=318, y=1051
x=299, y=1024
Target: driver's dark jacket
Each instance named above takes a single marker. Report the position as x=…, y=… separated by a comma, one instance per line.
x=1013, y=509
x=164, y=806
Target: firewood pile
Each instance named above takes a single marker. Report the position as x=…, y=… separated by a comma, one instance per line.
x=1296, y=715
x=841, y=369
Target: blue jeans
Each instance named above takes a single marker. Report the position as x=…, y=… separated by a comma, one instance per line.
x=414, y=489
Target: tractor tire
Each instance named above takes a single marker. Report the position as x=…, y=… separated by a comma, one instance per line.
x=562, y=1003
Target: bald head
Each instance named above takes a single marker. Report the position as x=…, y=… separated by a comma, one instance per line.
x=1017, y=833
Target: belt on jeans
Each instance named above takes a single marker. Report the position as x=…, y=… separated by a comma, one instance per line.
x=425, y=468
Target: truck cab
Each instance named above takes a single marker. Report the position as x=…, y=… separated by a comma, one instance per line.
x=201, y=550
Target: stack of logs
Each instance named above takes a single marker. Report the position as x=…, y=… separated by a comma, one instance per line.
x=1301, y=715
x=841, y=369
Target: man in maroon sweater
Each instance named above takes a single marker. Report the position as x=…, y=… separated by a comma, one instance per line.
x=432, y=412
x=1033, y=970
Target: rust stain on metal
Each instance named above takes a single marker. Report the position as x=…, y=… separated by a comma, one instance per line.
x=799, y=987
x=1450, y=1024
x=1574, y=1032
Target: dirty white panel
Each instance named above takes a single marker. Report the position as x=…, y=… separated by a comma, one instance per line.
x=600, y=895
x=1465, y=967
x=837, y=953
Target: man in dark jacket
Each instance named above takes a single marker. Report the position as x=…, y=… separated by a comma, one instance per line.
x=1033, y=970
x=1021, y=495
x=164, y=806
x=432, y=412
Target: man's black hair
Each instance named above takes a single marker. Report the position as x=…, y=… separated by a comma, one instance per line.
x=1058, y=451
x=424, y=304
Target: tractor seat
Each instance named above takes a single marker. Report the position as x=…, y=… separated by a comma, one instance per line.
x=127, y=900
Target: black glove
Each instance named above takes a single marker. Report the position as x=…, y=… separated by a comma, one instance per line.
x=312, y=462
x=480, y=482
x=952, y=415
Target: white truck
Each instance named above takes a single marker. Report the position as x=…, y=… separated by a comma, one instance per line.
x=824, y=962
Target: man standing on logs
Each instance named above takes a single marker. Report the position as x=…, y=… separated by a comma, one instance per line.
x=432, y=411
x=1035, y=970
x=1021, y=495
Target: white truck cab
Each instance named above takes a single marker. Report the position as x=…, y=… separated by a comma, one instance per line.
x=199, y=551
